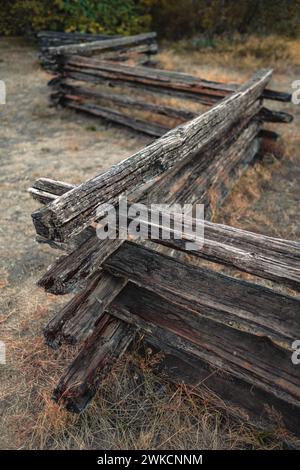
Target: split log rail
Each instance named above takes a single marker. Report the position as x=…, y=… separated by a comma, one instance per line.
x=138, y=49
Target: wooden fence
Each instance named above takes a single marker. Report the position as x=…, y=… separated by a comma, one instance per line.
x=123, y=93
x=232, y=336
x=138, y=49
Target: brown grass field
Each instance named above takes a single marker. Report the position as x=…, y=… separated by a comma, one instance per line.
x=134, y=408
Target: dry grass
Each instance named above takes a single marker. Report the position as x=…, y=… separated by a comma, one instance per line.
x=134, y=408
x=239, y=53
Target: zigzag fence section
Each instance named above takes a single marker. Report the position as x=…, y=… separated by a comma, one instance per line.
x=226, y=335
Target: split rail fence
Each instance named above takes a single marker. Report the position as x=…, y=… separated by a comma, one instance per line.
x=230, y=336
x=138, y=49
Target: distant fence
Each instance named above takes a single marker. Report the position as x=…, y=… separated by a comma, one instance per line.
x=103, y=87
x=52, y=45
x=232, y=335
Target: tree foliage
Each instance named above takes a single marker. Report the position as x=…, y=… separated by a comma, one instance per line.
x=172, y=19
x=109, y=16
x=178, y=19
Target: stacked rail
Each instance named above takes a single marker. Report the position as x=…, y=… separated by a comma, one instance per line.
x=137, y=49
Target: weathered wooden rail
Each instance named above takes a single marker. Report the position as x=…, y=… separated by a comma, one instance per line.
x=138, y=49
x=152, y=83
x=47, y=39
x=232, y=335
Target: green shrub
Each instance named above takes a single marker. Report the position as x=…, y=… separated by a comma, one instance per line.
x=23, y=17
x=111, y=16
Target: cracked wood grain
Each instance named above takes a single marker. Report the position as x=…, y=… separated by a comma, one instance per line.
x=75, y=210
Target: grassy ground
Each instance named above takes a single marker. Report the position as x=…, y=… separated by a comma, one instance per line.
x=133, y=409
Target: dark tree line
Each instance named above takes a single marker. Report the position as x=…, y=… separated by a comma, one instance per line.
x=172, y=19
